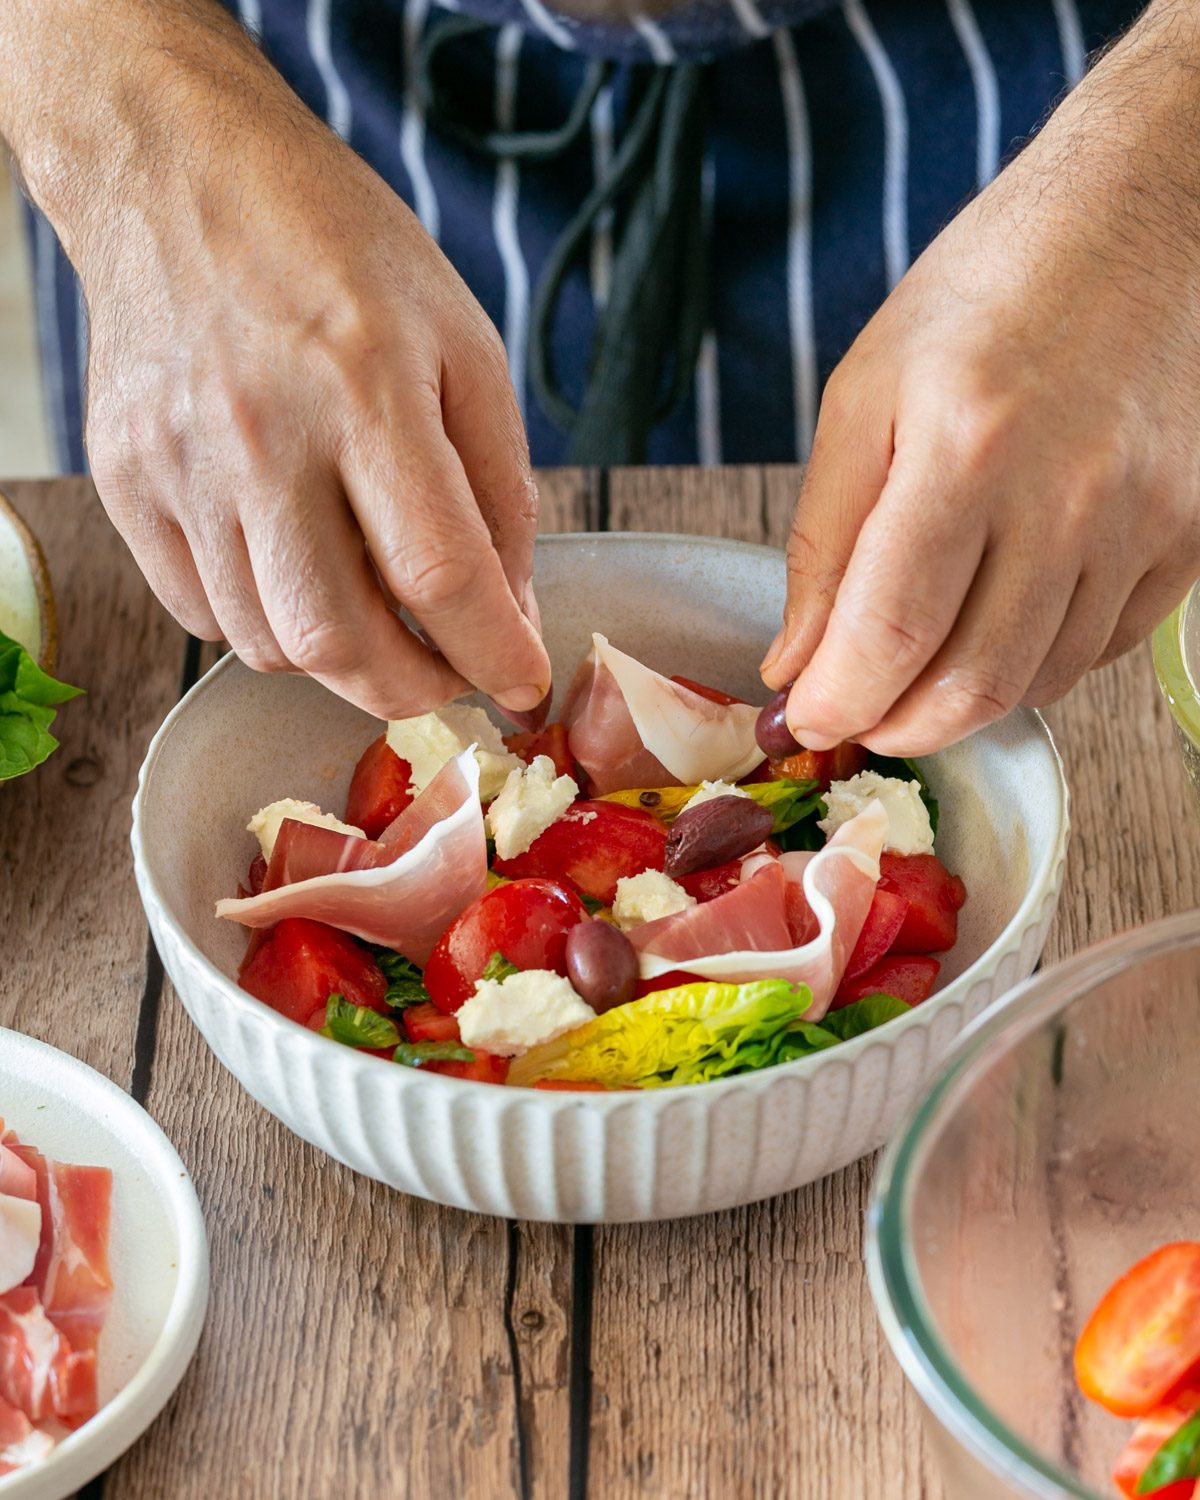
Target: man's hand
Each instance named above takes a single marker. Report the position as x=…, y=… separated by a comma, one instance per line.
x=298, y=415
x=1005, y=484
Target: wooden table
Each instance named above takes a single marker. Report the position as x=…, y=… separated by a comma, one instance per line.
x=364, y=1344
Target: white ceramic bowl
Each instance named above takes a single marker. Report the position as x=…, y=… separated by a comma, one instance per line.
x=157, y=1251
x=691, y=605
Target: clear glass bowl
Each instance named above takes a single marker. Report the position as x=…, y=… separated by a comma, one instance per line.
x=1176, y=646
x=1060, y=1144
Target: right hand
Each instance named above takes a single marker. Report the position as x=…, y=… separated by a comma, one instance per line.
x=300, y=416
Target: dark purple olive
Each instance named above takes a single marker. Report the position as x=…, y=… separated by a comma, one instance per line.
x=775, y=739
x=601, y=964
x=714, y=832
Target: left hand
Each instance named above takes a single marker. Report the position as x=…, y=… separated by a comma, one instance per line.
x=1004, y=489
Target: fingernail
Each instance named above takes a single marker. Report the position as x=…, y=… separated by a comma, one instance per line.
x=521, y=699
x=773, y=652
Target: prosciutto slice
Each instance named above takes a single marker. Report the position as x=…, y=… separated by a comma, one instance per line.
x=630, y=726
x=20, y=1441
x=796, y=917
x=402, y=890
x=20, y=1237
x=39, y=1371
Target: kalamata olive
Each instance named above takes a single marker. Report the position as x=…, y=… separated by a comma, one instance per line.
x=601, y=964
x=714, y=832
x=771, y=730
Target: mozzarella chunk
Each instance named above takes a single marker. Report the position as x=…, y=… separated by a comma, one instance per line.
x=708, y=790
x=646, y=897
x=508, y=1016
x=428, y=741
x=530, y=800
x=264, y=825
x=20, y=1234
x=909, y=829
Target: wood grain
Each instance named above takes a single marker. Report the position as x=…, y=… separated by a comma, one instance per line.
x=359, y=1342
x=75, y=939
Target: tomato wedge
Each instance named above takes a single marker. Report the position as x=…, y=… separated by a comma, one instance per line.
x=839, y=764
x=591, y=847
x=551, y=741
x=296, y=965
x=380, y=789
x=1151, y=1433
x=1144, y=1335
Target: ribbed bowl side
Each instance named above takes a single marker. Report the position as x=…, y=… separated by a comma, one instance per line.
x=654, y=1155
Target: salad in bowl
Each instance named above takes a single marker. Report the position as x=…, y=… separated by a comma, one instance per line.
x=659, y=888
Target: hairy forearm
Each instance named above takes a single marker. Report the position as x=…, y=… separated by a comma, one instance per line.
x=112, y=106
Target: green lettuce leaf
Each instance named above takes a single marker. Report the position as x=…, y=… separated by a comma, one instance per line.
x=417, y=1054
x=1178, y=1458
x=357, y=1026
x=405, y=985
x=29, y=699
x=683, y=1035
x=789, y=800
x=864, y=1015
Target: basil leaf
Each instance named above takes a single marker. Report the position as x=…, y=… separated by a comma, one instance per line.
x=405, y=984
x=29, y=698
x=356, y=1026
x=804, y=835
x=416, y=1054
x=790, y=801
x=593, y=905
x=1178, y=1458
x=498, y=967
x=863, y=1015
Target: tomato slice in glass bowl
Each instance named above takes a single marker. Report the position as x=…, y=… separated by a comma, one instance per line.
x=1144, y=1335
x=1151, y=1433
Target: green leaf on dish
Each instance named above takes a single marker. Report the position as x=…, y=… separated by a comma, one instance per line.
x=498, y=968
x=416, y=1054
x=405, y=985
x=357, y=1025
x=29, y=699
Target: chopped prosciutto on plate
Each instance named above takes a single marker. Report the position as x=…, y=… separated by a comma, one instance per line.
x=55, y=1290
x=673, y=905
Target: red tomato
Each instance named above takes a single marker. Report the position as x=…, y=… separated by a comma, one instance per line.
x=934, y=897
x=839, y=764
x=487, y=1068
x=879, y=932
x=714, y=695
x=558, y=1086
x=527, y=921
x=910, y=979
x=707, y=885
x=668, y=981
x=591, y=847
x=1144, y=1336
x=1151, y=1433
x=551, y=741
x=426, y=1023
x=296, y=965
x=380, y=789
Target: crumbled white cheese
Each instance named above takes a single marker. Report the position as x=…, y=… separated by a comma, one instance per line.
x=428, y=741
x=508, y=1016
x=909, y=830
x=530, y=800
x=645, y=897
x=708, y=790
x=264, y=825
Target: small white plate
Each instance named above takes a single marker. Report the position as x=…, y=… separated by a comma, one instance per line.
x=157, y=1251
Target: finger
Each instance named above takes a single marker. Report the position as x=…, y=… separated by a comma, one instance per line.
x=483, y=423
x=1004, y=632
x=223, y=562
x=845, y=474
x=911, y=569
x=162, y=552
x=1155, y=596
x=433, y=548
x=1087, y=628
x=322, y=600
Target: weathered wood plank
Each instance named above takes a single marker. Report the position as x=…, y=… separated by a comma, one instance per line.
x=359, y=1342
x=74, y=960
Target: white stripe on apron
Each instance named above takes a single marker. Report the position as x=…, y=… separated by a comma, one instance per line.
x=799, y=246
x=895, y=141
x=1070, y=39
x=337, y=100
x=412, y=125
x=708, y=386
x=602, y=225
x=504, y=215
x=987, y=90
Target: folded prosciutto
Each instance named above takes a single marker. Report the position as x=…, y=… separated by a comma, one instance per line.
x=50, y=1321
x=401, y=890
x=795, y=917
x=629, y=726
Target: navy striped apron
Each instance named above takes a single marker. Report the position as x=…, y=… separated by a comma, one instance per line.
x=840, y=139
